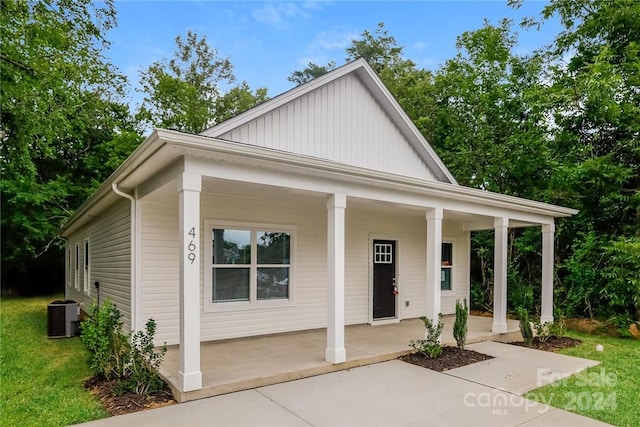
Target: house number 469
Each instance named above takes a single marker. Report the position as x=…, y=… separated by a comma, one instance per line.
x=191, y=246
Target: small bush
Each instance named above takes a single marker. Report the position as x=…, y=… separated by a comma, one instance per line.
x=543, y=330
x=621, y=323
x=131, y=359
x=108, y=348
x=559, y=327
x=460, y=327
x=430, y=346
x=525, y=326
x=144, y=362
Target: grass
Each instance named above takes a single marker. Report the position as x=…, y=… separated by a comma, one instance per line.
x=41, y=379
x=607, y=392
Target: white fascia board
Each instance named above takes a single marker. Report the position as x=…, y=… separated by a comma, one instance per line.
x=458, y=195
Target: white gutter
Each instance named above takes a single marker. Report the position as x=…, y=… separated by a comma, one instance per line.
x=133, y=304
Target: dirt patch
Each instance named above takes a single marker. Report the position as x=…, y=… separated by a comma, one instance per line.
x=452, y=357
x=128, y=402
x=586, y=325
x=552, y=344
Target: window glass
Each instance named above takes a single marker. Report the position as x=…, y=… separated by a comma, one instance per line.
x=231, y=246
x=230, y=284
x=447, y=254
x=273, y=247
x=273, y=283
x=446, y=266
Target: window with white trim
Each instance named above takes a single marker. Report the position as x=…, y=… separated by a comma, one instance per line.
x=76, y=275
x=69, y=267
x=86, y=267
x=446, y=266
x=248, y=264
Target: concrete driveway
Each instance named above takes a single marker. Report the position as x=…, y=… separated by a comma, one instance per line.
x=392, y=393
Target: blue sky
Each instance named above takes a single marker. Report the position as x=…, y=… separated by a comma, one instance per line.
x=266, y=41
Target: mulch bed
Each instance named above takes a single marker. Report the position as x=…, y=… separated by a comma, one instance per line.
x=128, y=402
x=452, y=357
x=551, y=344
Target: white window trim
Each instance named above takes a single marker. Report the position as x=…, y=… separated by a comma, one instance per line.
x=452, y=242
x=86, y=266
x=253, y=304
x=76, y=267
x=68, y=269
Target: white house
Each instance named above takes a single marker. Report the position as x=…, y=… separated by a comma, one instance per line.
x=322, y=207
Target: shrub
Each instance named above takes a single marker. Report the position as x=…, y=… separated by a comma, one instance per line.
x=144, y=362
x=525, y=326
x=559, y=327
x=429, y=346
x=620, y=323
x=460, y=327
x=543, y=330
x=108, y=348
x=131, y=359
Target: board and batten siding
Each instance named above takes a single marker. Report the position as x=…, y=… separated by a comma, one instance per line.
x=109, y=237
x=340, y=121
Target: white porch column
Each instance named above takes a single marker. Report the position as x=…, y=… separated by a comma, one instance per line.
x=434, y=262
x=189, y=374
x=548, y=231
x=335, y=352
x=501, y=226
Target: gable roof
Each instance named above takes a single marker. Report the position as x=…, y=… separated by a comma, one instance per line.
x=401, y=124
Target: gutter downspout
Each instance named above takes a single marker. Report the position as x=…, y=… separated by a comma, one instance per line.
x=134, y=314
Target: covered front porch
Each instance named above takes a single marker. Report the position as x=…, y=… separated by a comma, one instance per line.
x=246, y=363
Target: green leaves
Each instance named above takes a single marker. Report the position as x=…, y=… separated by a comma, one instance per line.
x=184, y=93
x=60, y=99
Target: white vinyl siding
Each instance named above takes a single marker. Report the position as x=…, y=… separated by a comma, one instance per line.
x=341, y=122
x=86, y=262
x=460, y=288
x=109, y=237
x=307, y=309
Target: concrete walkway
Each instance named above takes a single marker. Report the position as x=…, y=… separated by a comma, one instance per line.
x=390, y=393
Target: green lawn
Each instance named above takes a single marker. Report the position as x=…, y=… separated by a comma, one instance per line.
x=41, y=379
x=607, y=392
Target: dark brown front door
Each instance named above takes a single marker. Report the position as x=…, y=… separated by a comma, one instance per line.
x=384, y=276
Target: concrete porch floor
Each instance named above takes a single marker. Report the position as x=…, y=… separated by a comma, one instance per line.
x=246, y=363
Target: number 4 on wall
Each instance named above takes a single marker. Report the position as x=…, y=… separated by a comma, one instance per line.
x=192, y=232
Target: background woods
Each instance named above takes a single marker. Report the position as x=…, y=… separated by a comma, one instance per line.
x=559, y=125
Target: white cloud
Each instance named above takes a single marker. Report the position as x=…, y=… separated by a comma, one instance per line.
x=280, y=14
x=420, y=45
x=327, y=46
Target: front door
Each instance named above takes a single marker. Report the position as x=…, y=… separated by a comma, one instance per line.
x=384, y=279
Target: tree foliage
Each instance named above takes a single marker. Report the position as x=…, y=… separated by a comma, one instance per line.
x=63, y=120
x=186, y=92
x=310, y=72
